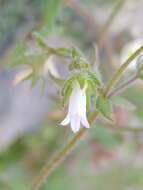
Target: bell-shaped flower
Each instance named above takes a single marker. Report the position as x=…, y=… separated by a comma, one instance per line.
x=77, y=109
x=128, y=50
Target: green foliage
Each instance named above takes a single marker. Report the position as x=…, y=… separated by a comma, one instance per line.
x=104, y=106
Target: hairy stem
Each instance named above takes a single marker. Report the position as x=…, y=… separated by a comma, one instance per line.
x=69, y=146
x=61, y=155
x=57, y=160
x=123, y=86
x=121, y=70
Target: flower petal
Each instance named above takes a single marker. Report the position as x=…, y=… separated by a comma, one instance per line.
x=84, y=122
x=75, y=123
x=66, y=121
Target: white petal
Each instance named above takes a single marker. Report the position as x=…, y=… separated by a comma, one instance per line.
x=82, y=104
x=74, y=101
x=66, y=121
x=85, y=122
x=75, y=123
x=49, y=66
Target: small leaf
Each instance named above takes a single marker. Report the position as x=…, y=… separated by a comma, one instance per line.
x=104, y=106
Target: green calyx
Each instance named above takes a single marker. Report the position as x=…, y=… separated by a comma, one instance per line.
x=84, y=79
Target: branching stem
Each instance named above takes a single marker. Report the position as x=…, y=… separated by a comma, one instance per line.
x=69, y=146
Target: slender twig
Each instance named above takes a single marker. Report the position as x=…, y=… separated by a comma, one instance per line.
x=123, y=86
x=121, y=70
x=61, y=155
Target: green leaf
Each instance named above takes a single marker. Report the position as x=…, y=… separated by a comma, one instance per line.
x=104, y=106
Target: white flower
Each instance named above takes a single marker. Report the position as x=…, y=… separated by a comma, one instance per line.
x=77, y=109
x=128, y=50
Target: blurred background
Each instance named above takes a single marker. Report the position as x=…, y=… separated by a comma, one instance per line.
x=111, y=154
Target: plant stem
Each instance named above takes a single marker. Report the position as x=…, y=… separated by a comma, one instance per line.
x=61, y=155
x=123, y=86
x=69, y=146
x=120, y=71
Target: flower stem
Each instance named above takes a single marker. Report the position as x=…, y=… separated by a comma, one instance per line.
x=123, y=86
x=69, y=146
x=120, y=71
x=61, y=155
